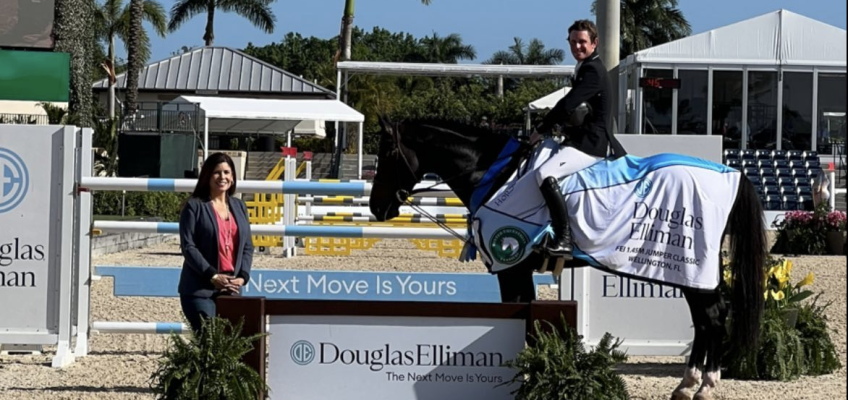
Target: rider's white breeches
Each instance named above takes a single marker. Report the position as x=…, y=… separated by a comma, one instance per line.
x=566, y=161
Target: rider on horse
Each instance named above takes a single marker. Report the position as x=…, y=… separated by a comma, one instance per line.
x=587, y=138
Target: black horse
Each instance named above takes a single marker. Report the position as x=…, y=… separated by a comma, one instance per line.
x=461, y=154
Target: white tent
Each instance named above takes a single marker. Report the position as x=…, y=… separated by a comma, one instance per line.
x=270, y=116
x=544, y=103
x=548, y=101
x=774, y=43
x=777, y=38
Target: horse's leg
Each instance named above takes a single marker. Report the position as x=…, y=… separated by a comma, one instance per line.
x=716, y=311
x=692, y=374
x=516, y=283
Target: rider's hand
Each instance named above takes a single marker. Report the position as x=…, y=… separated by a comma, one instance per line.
x=535, y=137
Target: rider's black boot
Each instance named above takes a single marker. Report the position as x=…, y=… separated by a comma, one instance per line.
x=560, y=246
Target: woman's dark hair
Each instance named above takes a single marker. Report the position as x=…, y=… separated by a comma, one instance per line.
x=202, y=189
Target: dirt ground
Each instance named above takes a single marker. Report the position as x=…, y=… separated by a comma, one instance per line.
x=119, y=366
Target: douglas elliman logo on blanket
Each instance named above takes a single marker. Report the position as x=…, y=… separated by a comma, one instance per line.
x=651, y=230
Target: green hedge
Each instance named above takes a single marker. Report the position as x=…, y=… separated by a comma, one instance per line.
x=140, y=204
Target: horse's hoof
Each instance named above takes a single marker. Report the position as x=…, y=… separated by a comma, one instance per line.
x=681, y=394
x=703, y=396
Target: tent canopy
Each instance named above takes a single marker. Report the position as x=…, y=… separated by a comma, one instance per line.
x=548, y=101
x=778, y=38
x=269, y=116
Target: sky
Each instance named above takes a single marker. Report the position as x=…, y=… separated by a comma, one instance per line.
x=488, y=25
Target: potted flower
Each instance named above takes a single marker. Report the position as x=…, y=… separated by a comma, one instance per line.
x=781, y=294
x=835, y=225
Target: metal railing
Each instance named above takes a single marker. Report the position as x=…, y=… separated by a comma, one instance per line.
x=24, y=119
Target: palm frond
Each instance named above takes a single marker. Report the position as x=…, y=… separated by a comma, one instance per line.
x=184, y=10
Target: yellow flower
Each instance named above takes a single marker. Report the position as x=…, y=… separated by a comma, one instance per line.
x=787, y=265
x=807, y=281
x=777, y=295
x=728, y=277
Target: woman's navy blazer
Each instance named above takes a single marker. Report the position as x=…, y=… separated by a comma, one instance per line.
x=199, y=245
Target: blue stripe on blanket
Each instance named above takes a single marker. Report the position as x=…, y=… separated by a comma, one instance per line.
x=631, y=168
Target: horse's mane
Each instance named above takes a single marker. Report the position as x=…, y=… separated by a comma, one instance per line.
x=457, y=126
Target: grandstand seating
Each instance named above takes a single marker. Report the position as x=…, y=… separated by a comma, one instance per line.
x=782, y=178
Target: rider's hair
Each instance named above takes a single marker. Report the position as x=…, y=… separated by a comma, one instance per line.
x=585, y=25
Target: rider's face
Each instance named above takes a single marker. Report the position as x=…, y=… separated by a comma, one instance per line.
x=581, y=45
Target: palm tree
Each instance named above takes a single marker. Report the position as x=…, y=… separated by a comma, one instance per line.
x=77, y=38
x=446, y=50
x=648, y=23
x=521, y=54
x=258, y=12
x=530, y=54
x=134, y=59
x=112, y=19
x=347, y=29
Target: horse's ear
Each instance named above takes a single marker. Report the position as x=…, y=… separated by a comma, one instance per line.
x=385, y=124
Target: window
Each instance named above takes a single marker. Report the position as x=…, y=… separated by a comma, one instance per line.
x=762, y=109
x=727, y=108
x=831, y=113
x=797, y=111
x=658, y=104
x=692, y=102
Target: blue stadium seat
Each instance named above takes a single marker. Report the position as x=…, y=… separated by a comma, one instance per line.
x=799, y=172
x=794, y=155
x=787, y=190
x=805, y=203
x=785, y=181
x=747, y=154
x=813, y=174
x=749, y=162
x=780, y=164
x=760, y=191
x=804, y=191
x=783, y=172
x=798, y=164
x=802, y=181
x=749, y=171
x=778, y=155
x=731, y=153
x=790, y=202
x=813, y=164
x=767, y=172
x=755, y=180
x=811, y=155
x=770, y=189
x=734, y=163
x=773, y=202
x=763, y=155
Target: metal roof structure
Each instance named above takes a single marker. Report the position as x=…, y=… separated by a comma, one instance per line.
x=425, y=69
x=218, y=70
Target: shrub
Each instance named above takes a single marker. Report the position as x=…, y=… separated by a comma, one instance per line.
x=557, y=366
x=164, y=205
x=208, y=365
x=805, y=232
x=794, y=338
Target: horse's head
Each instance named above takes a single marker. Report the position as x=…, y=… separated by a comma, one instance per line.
x=397, y=173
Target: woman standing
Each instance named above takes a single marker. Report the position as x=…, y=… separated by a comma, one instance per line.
x=215, y=240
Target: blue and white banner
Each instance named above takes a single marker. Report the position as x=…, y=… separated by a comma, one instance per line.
x=659, y=218
x=325, y=285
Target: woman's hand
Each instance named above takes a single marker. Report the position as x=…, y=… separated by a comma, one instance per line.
x=234, y=285
x=220, y=281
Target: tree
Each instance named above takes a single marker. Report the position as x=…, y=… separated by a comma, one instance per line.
x=112, y=20
x=258, y=12
x=345, y=34
x=528, y=54
x=648, y=23
x=134, y=59
x=77, y=39
x=446, y=50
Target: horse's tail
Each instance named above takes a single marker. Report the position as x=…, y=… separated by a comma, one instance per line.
x=747, y=259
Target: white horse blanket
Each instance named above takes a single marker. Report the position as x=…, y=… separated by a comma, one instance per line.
x=659, y=218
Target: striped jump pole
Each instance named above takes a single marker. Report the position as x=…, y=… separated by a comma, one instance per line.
x=417, y=201
x=289, y=230
x=373, y=219
x=298, y=187
x=140, y=327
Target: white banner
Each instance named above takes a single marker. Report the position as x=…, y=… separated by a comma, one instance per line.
x=367, y=357
x=28, y=158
